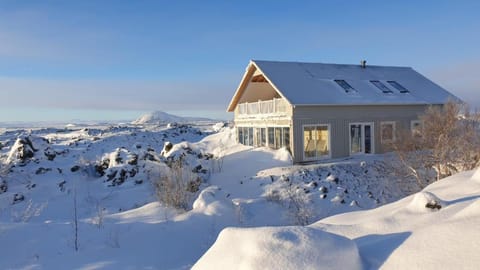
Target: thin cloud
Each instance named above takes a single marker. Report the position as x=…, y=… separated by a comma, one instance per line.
x=113, y=95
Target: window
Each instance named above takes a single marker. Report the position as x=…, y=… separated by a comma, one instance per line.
x=416, y=127
x=240, y=135
x=278, y=137
x=398, y=86
x=361, y=138
x=271, y=137
x=381, y=86
x=263, y=135
x=250, y=137
x=387, y=130
x=245, y=135
x=260, y=139
x=316, y=142
x=286, y=137
x=347, y=87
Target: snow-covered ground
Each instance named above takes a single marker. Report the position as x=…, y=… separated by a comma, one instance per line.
x=245, y=210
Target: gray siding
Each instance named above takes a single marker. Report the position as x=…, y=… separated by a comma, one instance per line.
x=339, y=118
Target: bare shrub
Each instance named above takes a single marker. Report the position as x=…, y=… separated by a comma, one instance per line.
x=449, y=142
x=176, y=186
x=219, y=157
x=98, y=208
x=299, y=205
x=30, y=210
x=295, y=200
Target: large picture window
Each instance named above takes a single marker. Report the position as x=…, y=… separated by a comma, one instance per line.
x=316, y=141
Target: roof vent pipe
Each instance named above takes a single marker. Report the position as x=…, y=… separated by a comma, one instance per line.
x=363, y=63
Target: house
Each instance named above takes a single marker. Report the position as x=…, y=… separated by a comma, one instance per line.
x=321, y=111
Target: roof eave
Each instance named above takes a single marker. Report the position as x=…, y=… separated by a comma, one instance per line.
x=241, y=87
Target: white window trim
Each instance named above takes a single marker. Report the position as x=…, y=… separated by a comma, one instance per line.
x=276, y=126
x=363, y=141
x=266, y=126
x=329, y=142
x=394, y=131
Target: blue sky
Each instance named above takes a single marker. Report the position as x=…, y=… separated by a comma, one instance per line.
x=62, y=60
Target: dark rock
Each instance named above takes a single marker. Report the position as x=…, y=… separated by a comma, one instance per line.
x=132, y=172
x=61, y=185
x=25, y=149
x=197, y=168
x=132, y=159
x=122, y=176
x=433, y=205
x=18, y=197
x=323, y=196
x=3, y=186
x=31, y=185
x=100, y=168
x=166, y=148
x=112, y=175
x=149, y=156
x=42, y=170
x=59, y=170
x=49, y=153
x=138, y=181
x=75, y=168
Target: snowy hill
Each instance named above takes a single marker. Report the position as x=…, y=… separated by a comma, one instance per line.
x=159, y=117
x=110, y=174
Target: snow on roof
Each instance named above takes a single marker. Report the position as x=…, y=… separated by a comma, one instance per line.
x=314, y=84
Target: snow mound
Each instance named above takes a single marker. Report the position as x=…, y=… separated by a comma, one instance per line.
x=282, y=154
x=280, y=248
x=159, y=117
x=476, y=175
x=211, y=202
x=425, y=202
x=218, y=126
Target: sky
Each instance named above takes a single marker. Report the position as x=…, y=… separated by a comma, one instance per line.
x=114, y=60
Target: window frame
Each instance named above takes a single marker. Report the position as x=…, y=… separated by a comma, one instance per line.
x=412, y=124
x=381, y=86
x=329, y=142
x=347, y=88
x=394, y=130
x=362, y=134
x=400, y=88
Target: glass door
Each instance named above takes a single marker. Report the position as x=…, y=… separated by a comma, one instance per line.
x=361, y=138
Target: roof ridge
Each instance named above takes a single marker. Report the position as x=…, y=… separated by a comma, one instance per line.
x=321, y=63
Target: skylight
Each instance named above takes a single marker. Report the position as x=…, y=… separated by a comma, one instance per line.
x=398, y=86
x=381, y=86
x=347, y=87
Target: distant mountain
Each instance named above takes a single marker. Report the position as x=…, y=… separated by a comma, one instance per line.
x=159, y=117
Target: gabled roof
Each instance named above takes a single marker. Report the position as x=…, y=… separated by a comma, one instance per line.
x=314, y=84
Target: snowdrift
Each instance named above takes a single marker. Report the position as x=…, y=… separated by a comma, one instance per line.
x=411, y=234
x=280, y=248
